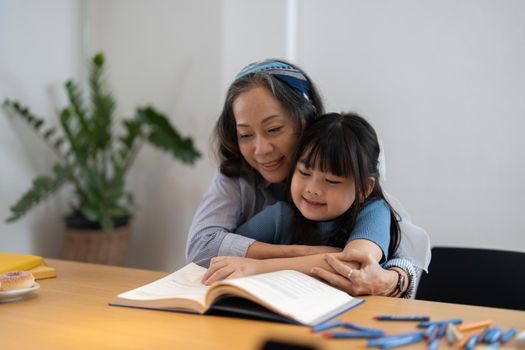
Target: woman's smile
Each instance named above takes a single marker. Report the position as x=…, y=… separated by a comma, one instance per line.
x=267, y=135
x=272, y=165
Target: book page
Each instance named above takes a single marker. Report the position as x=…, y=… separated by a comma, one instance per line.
x=184, y=283
x=295, y=294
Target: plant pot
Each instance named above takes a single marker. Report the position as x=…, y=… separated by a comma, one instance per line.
x=86, y=241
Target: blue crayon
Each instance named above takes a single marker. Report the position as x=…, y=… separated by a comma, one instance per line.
x=325, y=326
x=508, y=335
x=471, y=342
x=356, y=327
x=434, y=333
x=434, y=344
x=394, y=337
x=401, y=318
x=350, y=335
x=494, y=335
x=402, y=342
x=483, y=334
x=442, y=330
x=429, y=330
x=428, y=324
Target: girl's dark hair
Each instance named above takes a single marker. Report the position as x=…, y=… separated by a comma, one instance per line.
x=301, y=109
x=345, y=145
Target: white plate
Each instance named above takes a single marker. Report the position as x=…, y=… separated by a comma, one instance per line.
x=15, y=294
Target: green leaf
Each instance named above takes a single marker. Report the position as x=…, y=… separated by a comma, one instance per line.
x=102, y=105
x=41, y=188
x=90, y=213
x=48, y=133
x=98, y=60
x=133, y=130
x=74, y=94
x=92, y=158
x=106, y=222
x=164, y=136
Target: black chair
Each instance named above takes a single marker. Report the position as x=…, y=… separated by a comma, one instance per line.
x=483, y=277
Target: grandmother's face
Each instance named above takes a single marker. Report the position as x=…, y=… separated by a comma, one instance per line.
x=266, y=133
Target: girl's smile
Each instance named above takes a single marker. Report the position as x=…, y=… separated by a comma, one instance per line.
x=321, y=196
x=312, y=203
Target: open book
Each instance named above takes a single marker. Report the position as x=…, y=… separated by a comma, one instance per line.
x=281, y=295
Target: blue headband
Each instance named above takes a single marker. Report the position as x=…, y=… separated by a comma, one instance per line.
x=286, y=73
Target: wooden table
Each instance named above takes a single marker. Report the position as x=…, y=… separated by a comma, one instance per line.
x=72, y=312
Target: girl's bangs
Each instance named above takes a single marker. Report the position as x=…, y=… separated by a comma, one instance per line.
x=330, y=154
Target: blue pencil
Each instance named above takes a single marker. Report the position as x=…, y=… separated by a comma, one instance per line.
x=401, y=318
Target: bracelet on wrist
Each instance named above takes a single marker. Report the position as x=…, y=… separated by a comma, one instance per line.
x=400, y=284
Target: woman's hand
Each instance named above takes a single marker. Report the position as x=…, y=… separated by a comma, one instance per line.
x=369, y=279
x=222, y=267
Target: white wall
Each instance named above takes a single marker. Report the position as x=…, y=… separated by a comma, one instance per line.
x=39, y=50
x=443, y=83
x=167, y=54
x=252, y=30
x=440, y=81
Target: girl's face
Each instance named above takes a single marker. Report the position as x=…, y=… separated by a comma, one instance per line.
x=266, y=134
x=321, y=196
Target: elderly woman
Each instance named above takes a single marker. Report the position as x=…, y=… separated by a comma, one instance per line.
x=266, y=109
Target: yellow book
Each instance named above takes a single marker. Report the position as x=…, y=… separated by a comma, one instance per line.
x=43, y=271
x=17, y=262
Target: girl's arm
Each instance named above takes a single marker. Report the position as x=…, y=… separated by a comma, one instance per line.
x=228, y=267
x=262, y=250
x=270, y=228
x=370, y=220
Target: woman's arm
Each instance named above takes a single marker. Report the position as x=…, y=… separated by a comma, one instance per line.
x=411, y=272
x=370, y=278
x=215, y=219
x=227, y=203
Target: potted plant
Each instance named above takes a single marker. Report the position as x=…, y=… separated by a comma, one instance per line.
x=94, y=154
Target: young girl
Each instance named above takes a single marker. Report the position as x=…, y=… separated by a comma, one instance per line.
x=335, y=177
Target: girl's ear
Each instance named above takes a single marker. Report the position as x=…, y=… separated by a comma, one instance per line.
x=370, y=184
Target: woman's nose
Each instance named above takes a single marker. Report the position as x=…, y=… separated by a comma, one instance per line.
x=262, y=146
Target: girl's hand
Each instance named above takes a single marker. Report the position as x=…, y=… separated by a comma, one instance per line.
x=365, y=278
x=222, y=267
